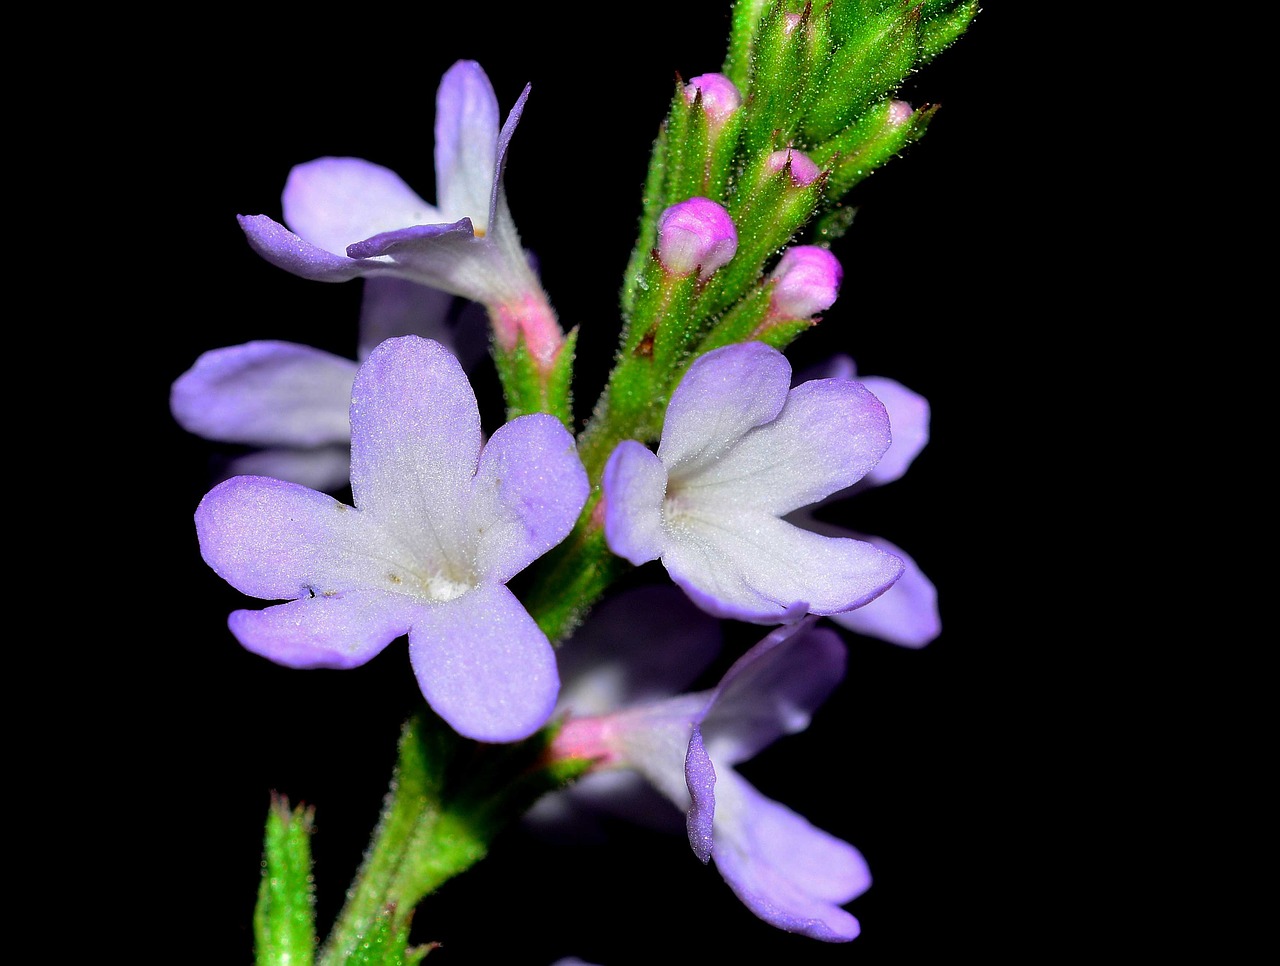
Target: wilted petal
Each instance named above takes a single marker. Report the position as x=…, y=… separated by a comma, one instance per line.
x=332, y=202
x=528, y=491
x=759, y=568
x=266, y=393
x=342, y=631
x=484, y=665
x=634, y=483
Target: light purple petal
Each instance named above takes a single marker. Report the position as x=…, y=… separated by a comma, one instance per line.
x=452, y=258
x=332, y=202
x=772, y=690
x=502, y=230
x=700, y=777
x=908, y=423
x=484, y=666
x=325, y=468
x=725, y=393
x=634, y=483
x=466, y=132
x=828, y=436
x=343, y=631
x=643, y=644
x=280, y=541
x=266, y=393
x=414, y=447
x=757, y=568
x=528, y=491
x=283, y=249
x=395, y=306
x=906, y=614
x=784, y=869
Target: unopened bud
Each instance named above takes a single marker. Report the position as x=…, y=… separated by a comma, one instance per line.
x=695, y=235
x=803, y=170
x=899, y=113
x=806, y=281
x=720, y=97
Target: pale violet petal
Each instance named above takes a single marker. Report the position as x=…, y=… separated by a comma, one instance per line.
x=466, y=131
x=266, y=393
x=527, y=493
x=633, y=484
x=501, y=228
x=828, y=436
x=449, y=257
x=325, y=468
x=642, y=644
x=283, y=249
x=415, y=443
x=342, y=631
x=725, y=393
x=906, y=614
x=279, y=541
x=757, y=568
x=484, y=665
x=700, y=778
x=772, y=690
x=787, y=871
x=332, y=202
x=908, y=423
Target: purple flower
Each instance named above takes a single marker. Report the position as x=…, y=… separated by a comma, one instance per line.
x=907, y=613
x=347, y=217
x=783, y=868
x=739, y=451
x=291, y=403
x=696, y=235
x=440, y=523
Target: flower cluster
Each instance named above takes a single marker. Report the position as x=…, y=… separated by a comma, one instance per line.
x=705, y=454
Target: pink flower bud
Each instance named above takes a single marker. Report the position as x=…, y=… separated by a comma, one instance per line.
x=720, y=97
x=695, y=235
x=806, y=281
x=899, y=112
x=803, y=170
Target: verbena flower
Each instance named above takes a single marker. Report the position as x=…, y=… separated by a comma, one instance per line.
x=440, y=523
x=289, y=404
x=784, y=869
x=740, y=449
x=907, y=613
x=347, y=218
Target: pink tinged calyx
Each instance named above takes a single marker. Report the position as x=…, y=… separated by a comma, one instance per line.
x=899, y=113
x=805, y=282
x=533, y=318
x=695, y=236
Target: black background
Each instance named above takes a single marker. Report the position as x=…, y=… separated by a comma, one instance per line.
x=907, y=760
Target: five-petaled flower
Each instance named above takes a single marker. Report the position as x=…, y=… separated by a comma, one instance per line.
x=784, y=869
x=348, y=218
x=740, y=449
x=440, y=523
